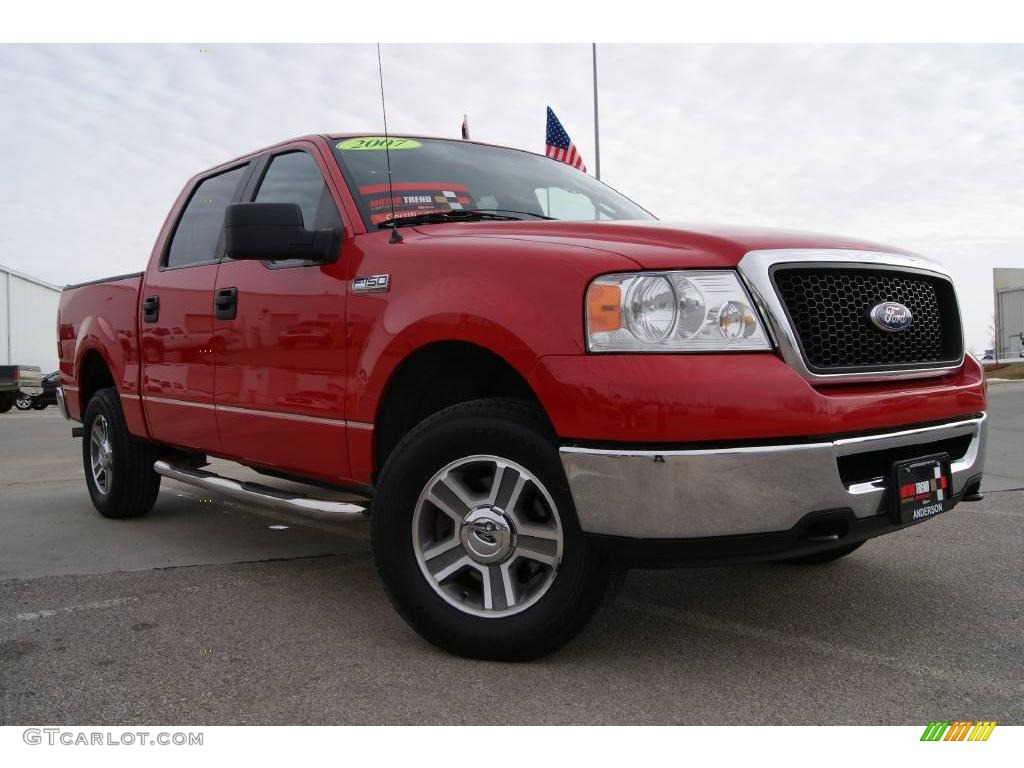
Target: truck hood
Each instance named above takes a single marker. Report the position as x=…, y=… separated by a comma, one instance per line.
x=654, y=245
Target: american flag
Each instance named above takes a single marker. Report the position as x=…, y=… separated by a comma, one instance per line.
x=560, y=146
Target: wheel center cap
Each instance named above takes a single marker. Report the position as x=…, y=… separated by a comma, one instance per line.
x=487, y=535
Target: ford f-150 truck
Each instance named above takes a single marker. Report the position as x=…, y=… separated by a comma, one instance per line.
x=531, y=380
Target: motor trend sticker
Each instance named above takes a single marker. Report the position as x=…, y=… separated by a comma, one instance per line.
x=411, y=198
x=958, y=730
x=923, y=488
x=378, y=143
x=932, y=489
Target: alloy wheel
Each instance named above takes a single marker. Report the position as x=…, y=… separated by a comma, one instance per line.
x=101, y=454
x=487, y=536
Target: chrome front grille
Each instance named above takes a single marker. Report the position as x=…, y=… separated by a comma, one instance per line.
x=829, y=309
x=817, y=304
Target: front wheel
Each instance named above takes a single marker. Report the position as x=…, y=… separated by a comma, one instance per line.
x=476, y=538
x=39, y=405
x=23, y=402
x=118, y=466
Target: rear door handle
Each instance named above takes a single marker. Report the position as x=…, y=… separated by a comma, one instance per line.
x=225, y=302
x=151, y=309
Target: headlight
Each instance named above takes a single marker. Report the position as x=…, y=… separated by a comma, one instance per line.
x=650, y=308
x=693, y=311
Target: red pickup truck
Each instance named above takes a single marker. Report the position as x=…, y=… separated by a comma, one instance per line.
x=531, y=379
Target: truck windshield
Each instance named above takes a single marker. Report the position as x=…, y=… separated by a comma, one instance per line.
x=436, y=176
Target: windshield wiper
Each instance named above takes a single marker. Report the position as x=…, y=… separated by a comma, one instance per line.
x=442, y=217
x=519, y=213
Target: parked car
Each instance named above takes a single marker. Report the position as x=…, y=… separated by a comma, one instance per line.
x=48, y=395
x=537, y=382
x=17, y=382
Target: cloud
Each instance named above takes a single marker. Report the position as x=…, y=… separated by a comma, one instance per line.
x=918, y=146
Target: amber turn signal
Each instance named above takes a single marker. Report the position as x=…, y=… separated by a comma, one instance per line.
x=604, y=308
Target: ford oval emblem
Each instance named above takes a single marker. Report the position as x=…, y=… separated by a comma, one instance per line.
x=891, y=317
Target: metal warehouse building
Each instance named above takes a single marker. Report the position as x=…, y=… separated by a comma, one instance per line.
x=1008, y=285
x=28, y=321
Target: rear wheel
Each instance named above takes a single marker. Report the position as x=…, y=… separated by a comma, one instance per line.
x=39, y=405
x=118, y=466
x=23, y=402
x=828, y=556
x=476, y=538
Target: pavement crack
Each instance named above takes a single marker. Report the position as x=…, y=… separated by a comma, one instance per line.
x=296, y=558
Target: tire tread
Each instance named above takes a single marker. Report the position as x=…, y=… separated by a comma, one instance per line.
x=136, y=483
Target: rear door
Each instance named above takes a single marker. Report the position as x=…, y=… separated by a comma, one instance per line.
x=176, y=323
x=280, y=385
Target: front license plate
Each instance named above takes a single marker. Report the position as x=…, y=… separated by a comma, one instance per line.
x=923, y=488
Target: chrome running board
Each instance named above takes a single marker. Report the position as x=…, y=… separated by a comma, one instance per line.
x=263, y=495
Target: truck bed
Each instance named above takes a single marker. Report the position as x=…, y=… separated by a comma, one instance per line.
x=93, y=318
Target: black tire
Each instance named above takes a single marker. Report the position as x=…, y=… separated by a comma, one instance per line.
x=6, y=401
x=134, y=484
x=820, y=558
x=23, y=402
x=513, y=430
x=39, y=405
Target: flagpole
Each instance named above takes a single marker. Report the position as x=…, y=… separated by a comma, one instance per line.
x=597, y=133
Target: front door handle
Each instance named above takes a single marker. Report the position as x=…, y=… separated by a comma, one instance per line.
x=225, y=302
x=151, y=309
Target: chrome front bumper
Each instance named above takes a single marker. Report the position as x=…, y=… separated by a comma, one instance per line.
x=733, y=491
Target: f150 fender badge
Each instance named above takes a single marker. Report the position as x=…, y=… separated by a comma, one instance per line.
x=891, y=317
x=372, y=284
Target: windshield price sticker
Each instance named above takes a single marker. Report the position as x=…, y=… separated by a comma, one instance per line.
x=378, y=143
x=411, y=198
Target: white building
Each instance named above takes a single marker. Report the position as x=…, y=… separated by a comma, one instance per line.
x=1008, y=285
x=28, y=321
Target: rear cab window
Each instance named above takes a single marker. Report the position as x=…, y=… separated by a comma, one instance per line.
x=198, y=236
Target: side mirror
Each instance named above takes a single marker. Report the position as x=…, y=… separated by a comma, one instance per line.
x=268, y=231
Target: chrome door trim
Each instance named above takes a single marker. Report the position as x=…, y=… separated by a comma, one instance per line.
x=260, y=412
x=175, y=401
x=287, y=415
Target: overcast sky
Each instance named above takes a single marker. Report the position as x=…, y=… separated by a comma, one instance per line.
x=916, y=146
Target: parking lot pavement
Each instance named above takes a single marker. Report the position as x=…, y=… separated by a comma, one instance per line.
x=1004, y=466
x=201, y=613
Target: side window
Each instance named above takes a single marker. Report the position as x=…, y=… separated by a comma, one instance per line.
x=295, y=178
x=198, y=233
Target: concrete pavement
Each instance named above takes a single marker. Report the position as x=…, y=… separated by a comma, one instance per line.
x=202, y=613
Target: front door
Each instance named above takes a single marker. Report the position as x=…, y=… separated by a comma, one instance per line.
x=176, y=323
x=280, y=382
